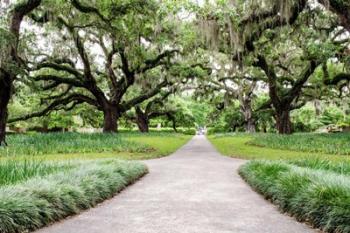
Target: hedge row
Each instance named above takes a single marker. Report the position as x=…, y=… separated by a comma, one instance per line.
x=43, y=200
x=317, y=196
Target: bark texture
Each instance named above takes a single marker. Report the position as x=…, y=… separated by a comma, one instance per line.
x=110, y=123
x=142, y=120
x=5, y=95
x=7, y=71
x=283, y=122
x=247, y=111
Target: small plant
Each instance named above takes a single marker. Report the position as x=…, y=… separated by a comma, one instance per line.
x=14, y=171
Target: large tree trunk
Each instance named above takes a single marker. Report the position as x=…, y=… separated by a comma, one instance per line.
x=142, y=120
x=173, y=121
x=174, y=125
x=250, y=126
x=283, y=122
x=110, y=124
x=247, y=111
x=143, y=125
x=318, y=108
x=3, y=119
x=5, y=95
x=7, y=77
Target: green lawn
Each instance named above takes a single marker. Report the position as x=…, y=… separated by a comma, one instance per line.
x=162, y=144
x=241, y=146
x=72, y=146
x=336, y=143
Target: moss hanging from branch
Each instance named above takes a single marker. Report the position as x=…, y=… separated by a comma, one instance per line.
x=210, y=32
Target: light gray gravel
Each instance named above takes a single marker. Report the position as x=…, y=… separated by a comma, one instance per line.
x=194, y=190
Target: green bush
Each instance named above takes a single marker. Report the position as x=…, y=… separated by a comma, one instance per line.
x=187, y=131
x=317, y=196
x=42, y=200
x=217, y=130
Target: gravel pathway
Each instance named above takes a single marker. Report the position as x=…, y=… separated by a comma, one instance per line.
x=195, y=190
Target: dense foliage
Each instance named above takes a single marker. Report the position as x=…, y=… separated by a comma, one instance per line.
x=251, y=64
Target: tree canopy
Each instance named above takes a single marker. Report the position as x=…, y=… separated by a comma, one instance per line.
x=258, y=61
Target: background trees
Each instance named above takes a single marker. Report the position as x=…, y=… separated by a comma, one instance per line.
x=255, y=62
x=285, y=41
x=109, y=61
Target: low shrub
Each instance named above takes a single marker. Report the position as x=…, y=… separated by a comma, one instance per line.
x=319, y=197
x=42, y=200
x=187, y=131
x=217, y=130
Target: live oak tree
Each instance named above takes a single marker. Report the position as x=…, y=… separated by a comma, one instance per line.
x=291, y=66
x=234, y=30
x=228, y=45
x=99, y=54
x=286, y=89
x=10, y=59
x=235, y=84
x=183, y=74
x=152, y=109
x=244, y=31
x=120, y=55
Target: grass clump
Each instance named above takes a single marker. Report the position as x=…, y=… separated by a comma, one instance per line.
x=14, y=171
x=338, y=143
x=318, y=196
x=42, y=200
x=339, y=167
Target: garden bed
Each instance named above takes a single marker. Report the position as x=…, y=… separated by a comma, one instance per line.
x=316, y=192
x=45, y=198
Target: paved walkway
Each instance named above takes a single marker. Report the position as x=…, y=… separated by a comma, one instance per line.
x=194, y=190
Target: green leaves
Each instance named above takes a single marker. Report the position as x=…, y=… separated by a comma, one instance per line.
x=321, y=51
